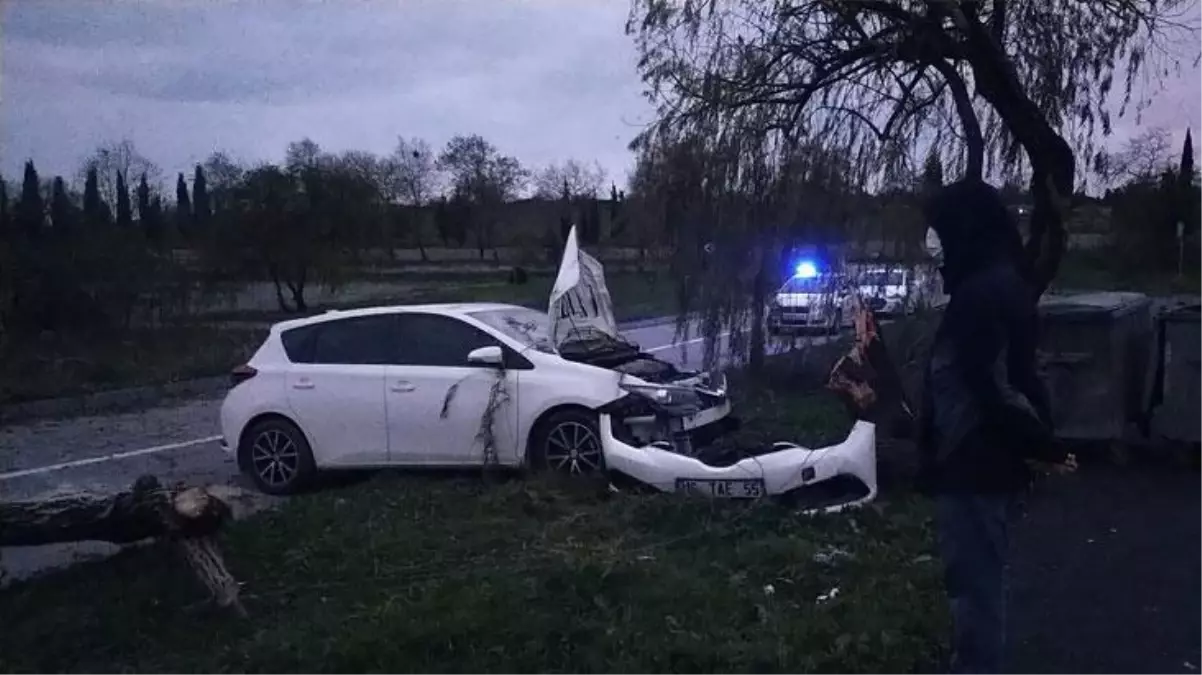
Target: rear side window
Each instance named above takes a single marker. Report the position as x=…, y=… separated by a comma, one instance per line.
x=367, y=340
x=436, y=340
x=298, y=343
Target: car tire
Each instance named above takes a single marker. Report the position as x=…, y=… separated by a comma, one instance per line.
x=276, y=456
x=567, y=442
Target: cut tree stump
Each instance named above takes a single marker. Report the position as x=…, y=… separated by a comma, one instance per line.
x=186, y=516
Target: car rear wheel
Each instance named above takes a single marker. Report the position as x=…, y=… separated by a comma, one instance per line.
x=568, y=442
x=277, y=457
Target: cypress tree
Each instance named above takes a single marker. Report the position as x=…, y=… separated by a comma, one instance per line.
x=94, y=210
x=200, y=197
x=3, y=207
x=1187, y=200
x=146, y=214
x=60, y=209
x=183, y=204
x=31, y=210
x=125, y=216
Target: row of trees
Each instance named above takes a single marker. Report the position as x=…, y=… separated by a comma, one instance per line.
x=1156, y=202
x=118, y=252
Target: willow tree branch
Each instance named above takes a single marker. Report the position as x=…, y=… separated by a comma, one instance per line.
x=974, y=140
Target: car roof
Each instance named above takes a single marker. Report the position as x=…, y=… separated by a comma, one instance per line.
x=446, y=309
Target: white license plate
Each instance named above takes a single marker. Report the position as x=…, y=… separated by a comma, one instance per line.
x=722, y=489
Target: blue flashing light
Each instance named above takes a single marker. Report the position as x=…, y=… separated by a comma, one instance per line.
x=806, y=270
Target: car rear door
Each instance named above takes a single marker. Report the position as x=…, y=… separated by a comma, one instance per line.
x=337, y=392
x=438, y=403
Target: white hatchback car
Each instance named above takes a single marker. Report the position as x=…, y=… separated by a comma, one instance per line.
x=427, y=385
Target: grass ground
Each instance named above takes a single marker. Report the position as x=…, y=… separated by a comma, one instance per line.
x=467, y=573
x=63, y=366
x=59, y=365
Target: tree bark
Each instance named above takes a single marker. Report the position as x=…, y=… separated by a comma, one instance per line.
x=974, y=140
x=1051, y=158
x=188, y=516
x=147, y=510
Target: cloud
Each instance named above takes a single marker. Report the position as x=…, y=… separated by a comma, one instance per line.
x=544, y=80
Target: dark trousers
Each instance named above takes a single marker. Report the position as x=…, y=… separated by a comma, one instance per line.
x=973, y=541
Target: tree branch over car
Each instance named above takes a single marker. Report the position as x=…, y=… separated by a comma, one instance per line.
x=1006, y=86
x=880, y=79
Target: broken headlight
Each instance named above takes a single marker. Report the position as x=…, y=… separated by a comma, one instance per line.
x=680, y=400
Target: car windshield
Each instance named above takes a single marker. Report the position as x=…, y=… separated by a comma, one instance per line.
x=528, y=326
x=819, y=284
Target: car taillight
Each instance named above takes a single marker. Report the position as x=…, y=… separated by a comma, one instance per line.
x=241, y=374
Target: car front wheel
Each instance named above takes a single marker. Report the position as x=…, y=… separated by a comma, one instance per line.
x=568, y=442
x=276, y=456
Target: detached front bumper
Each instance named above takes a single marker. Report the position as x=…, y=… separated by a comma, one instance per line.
x=788, y=470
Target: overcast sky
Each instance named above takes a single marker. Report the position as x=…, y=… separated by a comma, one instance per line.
x=544, y=80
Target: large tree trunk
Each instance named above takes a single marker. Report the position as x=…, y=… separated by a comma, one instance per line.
x=188, y=516
x=1051, y=158
x=147, y=510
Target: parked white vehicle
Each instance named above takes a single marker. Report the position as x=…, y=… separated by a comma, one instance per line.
x=410, y=386
x=811, y=302
x=461, y=385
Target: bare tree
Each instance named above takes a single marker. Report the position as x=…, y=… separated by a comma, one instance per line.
x=115, y=159
x=223, y=175
x=484, y=178
x=412, y=179
x=1147, y=155
x=999, y=85
x=415, y=175
x=578, y=179
x=302, y=154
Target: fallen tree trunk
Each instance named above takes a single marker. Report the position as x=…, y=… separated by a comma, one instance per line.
x=187, y=516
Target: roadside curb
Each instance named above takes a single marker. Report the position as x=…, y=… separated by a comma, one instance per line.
x=121, y=400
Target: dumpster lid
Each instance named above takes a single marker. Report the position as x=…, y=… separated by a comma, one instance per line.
x=1186, y=313
x=1098, y=305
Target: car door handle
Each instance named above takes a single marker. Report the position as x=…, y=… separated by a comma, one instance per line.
x=403, y=387
x=303, y=384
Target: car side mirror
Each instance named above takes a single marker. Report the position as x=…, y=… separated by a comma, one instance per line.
x=485, y=356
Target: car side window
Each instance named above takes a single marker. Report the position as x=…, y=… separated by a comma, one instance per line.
x=365, y=340
x=298, y=343
x=436, y=340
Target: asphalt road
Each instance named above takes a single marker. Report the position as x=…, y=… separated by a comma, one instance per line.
x=175, y=442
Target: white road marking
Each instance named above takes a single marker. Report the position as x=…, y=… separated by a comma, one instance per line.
x=107, y=458
x=208, y=439
x=680, y=344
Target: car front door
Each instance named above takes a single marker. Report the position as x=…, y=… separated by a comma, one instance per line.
x=439, y=404
x=337, y=393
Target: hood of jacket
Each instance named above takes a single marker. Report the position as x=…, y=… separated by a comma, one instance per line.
x=975, y=230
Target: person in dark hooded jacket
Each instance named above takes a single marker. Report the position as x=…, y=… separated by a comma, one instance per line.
x=985, y=411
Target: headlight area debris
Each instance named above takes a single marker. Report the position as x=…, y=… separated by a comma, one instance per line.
x=651, y=435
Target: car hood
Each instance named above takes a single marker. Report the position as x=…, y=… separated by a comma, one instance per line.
x=580, y=303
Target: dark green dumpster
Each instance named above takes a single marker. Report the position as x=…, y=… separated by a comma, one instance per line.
x=1176, y=399
x=1095, y=354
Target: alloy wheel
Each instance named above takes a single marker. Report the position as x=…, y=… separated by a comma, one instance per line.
x=574, y=448
x=275, y=458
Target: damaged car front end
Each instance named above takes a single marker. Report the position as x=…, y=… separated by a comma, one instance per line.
x=682, y=457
